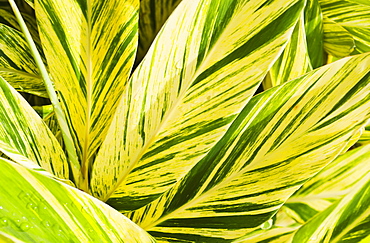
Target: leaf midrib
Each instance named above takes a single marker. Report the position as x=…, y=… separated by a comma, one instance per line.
x=89, y=81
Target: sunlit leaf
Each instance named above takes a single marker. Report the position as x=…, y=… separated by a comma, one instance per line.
x=331, y=184
x=25, y=138
x=294, y=61
x=313, y=22
x=337, y=40
x=44, y=210
x=353, y=16
x=90, y=50
x=282, y=137
x=153, y=14
x=17, y=64
x=181, y=100
x=347, y=220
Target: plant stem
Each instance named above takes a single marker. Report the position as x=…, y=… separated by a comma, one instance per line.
x=67, y=137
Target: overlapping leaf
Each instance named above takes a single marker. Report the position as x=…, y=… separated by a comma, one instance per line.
x=337, y=40
x=17, y=64
x=330, y=185
x=354, y=16
x=347, y=220
x=181, y=100
x=90, y=47
x=25, y=138
x=44, y=210
x=281, y=138
x=271, y=235
x=294, y=61
x=153, y=14
x=313, y=22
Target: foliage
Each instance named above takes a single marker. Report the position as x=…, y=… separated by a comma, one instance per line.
x=246, y=121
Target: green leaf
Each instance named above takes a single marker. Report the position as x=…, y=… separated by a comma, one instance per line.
x=25, y=138
x=153, y=14
x=271, y=235
x=365, y=136
x=180, y=101
x=347, y=220
x=331, y=184
x=281, y=138
x=294, y=61
x=17, y=64
x=313, y=23
x=353, y=16
x=44, y=111
x=35, y=208
x=338, y=41
x=90, y=49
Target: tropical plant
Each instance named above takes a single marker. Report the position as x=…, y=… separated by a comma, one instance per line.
x=244, y=122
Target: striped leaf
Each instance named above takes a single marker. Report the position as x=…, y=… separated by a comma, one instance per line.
x=294, y=61
x=90, y=47
x=8, y=18
x=17, y=64
x=365, y=136
x=35, y=208
x=354, y=16
x=271, y=235
x=281, y=138
x=331, y=184
x=347, y=220
x=25, y=138
x=181, y=100
x=313, y=23
x=153, y=14
x=338, y=41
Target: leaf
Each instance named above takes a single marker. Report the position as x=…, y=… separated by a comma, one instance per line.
x=365, y=136
x=35, y=208
x=153, y=14
x=180, y=101
x=25, y=138
x=331, y=184
x=281, y=138
x=337, y=40
x=347, y=220
x=90, y=49
x=17, y=64
x=313, y=22
x=271, y=235
x=354, y=17
x=44, y=111
x=294, y=61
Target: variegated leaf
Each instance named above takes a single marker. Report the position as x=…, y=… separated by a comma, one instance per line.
x=181, y=100
x=153, y=14
x=35, y=208
x=331, y=184
x=337, y=40
x=347, y=220
x=17, y=64
x=354, y=16
x=8, y=18
x=281, y=138
x=25, y=138
x=365, y=136
x=294, y=61
x=90, y=47
x=313, y=22
x=270, y=235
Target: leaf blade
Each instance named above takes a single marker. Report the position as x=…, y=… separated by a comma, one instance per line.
x=188, y=110
x=42, y=209
x=90, y=48
x=284, y=131
x=25, y=138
